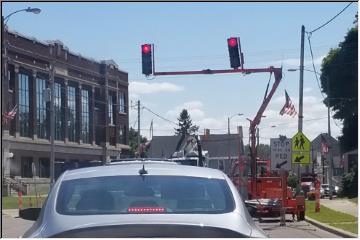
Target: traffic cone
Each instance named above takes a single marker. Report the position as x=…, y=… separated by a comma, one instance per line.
x=20, y=200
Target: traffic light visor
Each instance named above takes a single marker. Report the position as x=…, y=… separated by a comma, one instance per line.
x=232, y=42
x=146, y=48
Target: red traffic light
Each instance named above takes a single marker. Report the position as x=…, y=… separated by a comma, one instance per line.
x=232, y=42
x=146, y=48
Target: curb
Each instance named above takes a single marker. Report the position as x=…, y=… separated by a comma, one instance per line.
x=331, y=229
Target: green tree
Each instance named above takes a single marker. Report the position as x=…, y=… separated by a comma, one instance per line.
x=133, y=141
x=350, y=184
x=263, y=151
x=340, y=68
x=186, y=127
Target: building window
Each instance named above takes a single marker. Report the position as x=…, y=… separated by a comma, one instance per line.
x=121, y=135
x=111, y=110
x=58, y=113
x=41, y=108
x=122, y=102
x=85, y=117
x=24, y=106
x=44, y=167
x=124, y=134
x=26, y=167
x=72, y=113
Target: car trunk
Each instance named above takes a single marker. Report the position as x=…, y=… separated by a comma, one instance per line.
x=150, y=230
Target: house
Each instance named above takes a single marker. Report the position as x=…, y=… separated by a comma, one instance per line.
x=222, y=149
x=321, y=164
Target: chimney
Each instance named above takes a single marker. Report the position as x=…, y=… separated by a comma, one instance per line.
x=240, y=131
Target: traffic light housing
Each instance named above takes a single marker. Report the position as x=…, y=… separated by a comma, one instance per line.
x=146, y=51
x=233, y=45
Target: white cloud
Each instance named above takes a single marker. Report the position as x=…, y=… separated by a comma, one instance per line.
x=295, y=62
x=308, y=90
x=194, y=109
x=137, y=88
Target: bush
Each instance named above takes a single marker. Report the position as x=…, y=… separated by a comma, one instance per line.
x=350, y=184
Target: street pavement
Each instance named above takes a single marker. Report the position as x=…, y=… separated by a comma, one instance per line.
x=12, y=225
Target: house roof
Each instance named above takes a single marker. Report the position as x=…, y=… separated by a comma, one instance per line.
x=220, y=145
x=163, y=146
x=217, y=145
x=316, y=143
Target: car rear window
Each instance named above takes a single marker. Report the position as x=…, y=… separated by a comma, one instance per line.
x=144, y=194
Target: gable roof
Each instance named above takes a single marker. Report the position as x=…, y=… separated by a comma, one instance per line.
x=217, y=145
x=163, y=146
x=220, y=145
x=316, y=143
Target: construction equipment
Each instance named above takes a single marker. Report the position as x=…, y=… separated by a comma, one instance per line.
x=268, y=194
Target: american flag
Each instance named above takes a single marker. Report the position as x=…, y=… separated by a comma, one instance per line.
x=288, y=107
x=324, y=145
x=7, y=116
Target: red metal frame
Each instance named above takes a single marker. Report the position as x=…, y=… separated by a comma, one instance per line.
x=256, y=121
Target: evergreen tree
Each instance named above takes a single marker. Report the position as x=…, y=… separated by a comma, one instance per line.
x=186, y=126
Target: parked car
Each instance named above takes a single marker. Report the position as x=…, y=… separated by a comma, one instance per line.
x=144, y=199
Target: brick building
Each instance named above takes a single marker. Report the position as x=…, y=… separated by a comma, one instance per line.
x=90, y=107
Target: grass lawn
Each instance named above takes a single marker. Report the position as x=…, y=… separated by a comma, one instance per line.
x=350, y=227
x=337, y=219
x=354, y=200
x=12, y=202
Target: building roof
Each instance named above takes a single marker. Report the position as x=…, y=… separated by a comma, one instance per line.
x=332, y=142
x=163, y=146
x=220, y=145
x=217, y=145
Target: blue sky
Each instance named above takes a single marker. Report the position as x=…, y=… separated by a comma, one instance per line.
x=192, y=36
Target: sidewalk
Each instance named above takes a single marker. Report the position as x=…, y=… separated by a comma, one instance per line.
x=341, y=205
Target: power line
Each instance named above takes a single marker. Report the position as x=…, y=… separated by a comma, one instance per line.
x=159, y=116
x=313, y=64
x=330, y=19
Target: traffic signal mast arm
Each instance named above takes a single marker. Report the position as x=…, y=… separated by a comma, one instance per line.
x=210, y=71
x=256, y=121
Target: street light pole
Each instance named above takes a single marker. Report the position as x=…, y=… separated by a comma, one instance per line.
x=29, y=9
x=238, y=114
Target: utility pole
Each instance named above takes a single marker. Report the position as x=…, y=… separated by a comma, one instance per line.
x=229, y=156
x=301, y=87
x=138, y=140
x=330, y=169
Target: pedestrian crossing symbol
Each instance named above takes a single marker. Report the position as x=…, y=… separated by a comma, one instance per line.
x=300, y=143
x=300, y=148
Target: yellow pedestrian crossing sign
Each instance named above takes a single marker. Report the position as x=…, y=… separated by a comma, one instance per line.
x=300, y=149
x=300, y=142
x=300, y=157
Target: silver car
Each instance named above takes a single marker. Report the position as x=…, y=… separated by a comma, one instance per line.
x=144, y=199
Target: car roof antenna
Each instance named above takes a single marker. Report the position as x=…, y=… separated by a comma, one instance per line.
x=143, y=171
